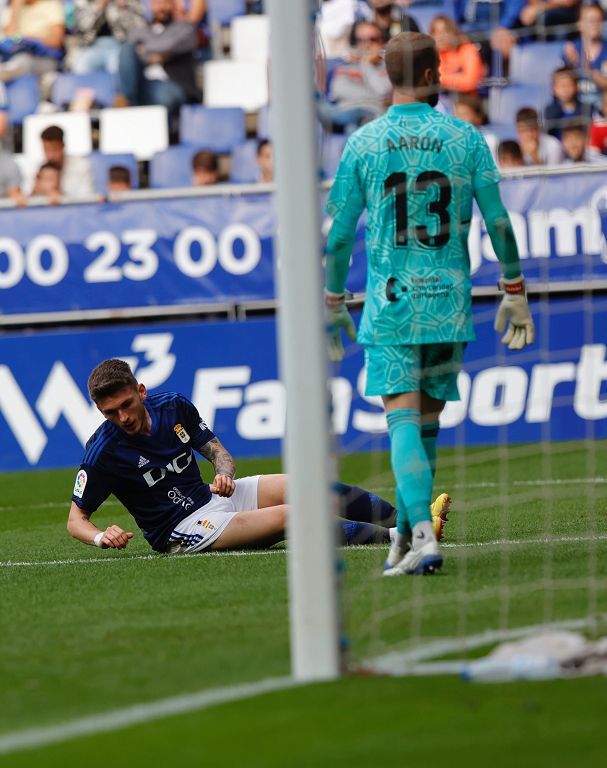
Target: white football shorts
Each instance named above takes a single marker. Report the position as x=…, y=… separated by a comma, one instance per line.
x=198, y=531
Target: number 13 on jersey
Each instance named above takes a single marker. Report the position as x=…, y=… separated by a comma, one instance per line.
x=437, y=190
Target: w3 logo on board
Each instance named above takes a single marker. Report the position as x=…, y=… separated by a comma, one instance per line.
x=156, y=474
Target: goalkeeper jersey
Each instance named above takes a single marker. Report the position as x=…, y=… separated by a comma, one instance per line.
x=415, y=170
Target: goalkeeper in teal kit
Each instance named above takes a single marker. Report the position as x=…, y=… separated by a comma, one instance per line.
x=417, y=171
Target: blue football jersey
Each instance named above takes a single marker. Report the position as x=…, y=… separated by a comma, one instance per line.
x=155, y=476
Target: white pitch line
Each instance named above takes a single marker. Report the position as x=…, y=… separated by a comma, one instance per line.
x=157, y=558
x=258, y=553
x=125, y=717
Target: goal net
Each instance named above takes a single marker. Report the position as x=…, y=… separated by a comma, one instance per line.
x=522, y=453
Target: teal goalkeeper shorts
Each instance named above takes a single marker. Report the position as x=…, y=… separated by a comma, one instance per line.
x=433, y=368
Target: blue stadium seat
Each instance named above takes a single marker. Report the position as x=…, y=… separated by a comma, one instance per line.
x=172, y=168
x=223, y=11
x=244, y=163
x=535, y=62
x=423, y=13
x=101, y=166
x=67, y=84
x=218, y=129
x=330, y=67
x=330, y=149
x=263, y=122
x=23, y=98
x=505, y=102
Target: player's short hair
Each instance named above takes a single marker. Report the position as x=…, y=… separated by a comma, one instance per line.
x=110, y=377
x=52, y=133
x=263, y=143
x=407, y=57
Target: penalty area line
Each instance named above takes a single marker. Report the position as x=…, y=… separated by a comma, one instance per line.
x=118, y=719
x=129, y=558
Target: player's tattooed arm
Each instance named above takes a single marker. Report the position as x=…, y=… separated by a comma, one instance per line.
x=224, y=466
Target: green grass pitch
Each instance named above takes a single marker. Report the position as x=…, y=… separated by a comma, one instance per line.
x=85, y=632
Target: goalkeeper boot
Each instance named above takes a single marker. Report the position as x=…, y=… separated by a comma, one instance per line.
x=400, y=545
x=439, y=509
x=423, y=557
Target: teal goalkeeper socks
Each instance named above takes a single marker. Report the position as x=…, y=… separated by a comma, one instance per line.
x=429, y=435
x=411, y=468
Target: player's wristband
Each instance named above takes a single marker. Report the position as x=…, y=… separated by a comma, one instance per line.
x=514, y=287
x=97, y=539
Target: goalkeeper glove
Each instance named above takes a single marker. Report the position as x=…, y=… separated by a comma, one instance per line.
x=514, y=308
x=338, y=317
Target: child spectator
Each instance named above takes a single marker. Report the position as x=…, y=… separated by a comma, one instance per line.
x=119, y=179
x=265, y=161
x=565, y=103
x=461, y=66
x=76, y=172
x=33, y=44
x=469, y=107
x=537, y=147
x=575, y=145
x=588, y=55
x=205, y=169
x=48, y=182
x=509, y=154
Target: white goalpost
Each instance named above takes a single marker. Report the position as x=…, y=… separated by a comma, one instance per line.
x=312, y=570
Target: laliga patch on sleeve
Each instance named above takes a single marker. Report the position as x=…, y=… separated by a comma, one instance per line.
x=80, y=483
x=203, y=425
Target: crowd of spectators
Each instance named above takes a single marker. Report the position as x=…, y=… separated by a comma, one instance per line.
x=475, y=43
x=154, y=49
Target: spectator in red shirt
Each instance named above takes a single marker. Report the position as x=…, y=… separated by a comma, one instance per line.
x=461, y=65
x=598, y=128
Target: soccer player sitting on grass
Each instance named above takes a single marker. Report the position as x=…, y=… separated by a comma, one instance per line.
x=417, y=171
x=144, y=454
